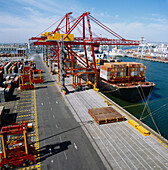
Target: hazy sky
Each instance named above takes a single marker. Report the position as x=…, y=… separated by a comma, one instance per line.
x=132, y=19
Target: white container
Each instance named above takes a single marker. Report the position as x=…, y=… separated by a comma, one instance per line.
x=106, y=77
x=105, y=72
x=132, y=73
x=141, y=69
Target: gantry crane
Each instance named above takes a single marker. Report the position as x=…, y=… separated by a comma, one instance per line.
x=61, y=50
x=30, y=76
x=16, y=148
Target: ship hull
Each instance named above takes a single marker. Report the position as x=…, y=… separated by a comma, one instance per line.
x=130, y=93
x=133, y=93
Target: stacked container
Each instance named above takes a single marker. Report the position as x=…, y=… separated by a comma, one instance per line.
x=20, y=69
x=2, y=94
x=6, y=68
x=110, y=71
x=122, y=71
x=1, y=76
x=136, y=69
x=105, y=72
x=2, y=68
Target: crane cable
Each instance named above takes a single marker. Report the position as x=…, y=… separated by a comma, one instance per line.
x=156, y=111
x=146, y=102
x=69, y=23
x=146, y=105
x=49, y=27
x=134, y=105
x=85, y=28
x=72, y=18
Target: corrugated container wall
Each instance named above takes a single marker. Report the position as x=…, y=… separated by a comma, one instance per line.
x=111, y=71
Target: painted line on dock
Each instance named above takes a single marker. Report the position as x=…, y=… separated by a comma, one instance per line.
x=24, y=103
x=57, y=90
x=37, y=167
x=158, y=140
x=26, y=96
x=26, y=106
x=25, y=99
x=6, y=104
x=36, y=127
x=75, y=146
x=24, y=121
x=25, y=110
x=25, y=115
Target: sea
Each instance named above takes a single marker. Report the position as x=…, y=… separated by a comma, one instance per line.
x=155, y=112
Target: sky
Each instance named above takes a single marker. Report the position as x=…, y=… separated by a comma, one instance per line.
x=132, y=19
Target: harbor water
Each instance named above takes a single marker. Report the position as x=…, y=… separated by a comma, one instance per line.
x=155, y=114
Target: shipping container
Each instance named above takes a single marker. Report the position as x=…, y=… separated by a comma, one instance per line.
x=121, y=71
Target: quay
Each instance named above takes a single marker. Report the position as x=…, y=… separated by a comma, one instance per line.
x=118, y=144
x=149, y=59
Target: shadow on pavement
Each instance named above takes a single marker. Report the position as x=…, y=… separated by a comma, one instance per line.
x=49, y=81
x=52, y=149
x=8, y=118
x=42, y=87
x=58, y=134
x=12, y=98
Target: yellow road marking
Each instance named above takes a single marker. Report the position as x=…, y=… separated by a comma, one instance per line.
x=36, y=125
x=158, y=140
x=26, y=95
x=25, y=121
x=26, y=106
x=25, y=99
x=6, y=104
x=25, y=115
x=24, y=102
x=31, y=167
x=25, y=110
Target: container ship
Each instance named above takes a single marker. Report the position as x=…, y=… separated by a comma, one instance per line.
x=125, y=80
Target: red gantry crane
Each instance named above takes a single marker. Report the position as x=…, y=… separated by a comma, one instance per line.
x=16, y=148
x=58, y=47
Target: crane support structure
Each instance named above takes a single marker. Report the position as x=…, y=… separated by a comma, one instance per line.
x=62, y=51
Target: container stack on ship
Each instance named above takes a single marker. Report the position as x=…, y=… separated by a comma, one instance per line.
x=125, y=80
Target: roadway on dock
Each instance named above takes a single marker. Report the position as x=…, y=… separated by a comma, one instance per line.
x=62, y=142
x=118, y=144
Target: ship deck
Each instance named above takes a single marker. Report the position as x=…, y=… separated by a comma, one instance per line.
x=119, y=145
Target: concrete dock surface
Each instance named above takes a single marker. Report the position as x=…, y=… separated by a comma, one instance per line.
x=119, y=145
